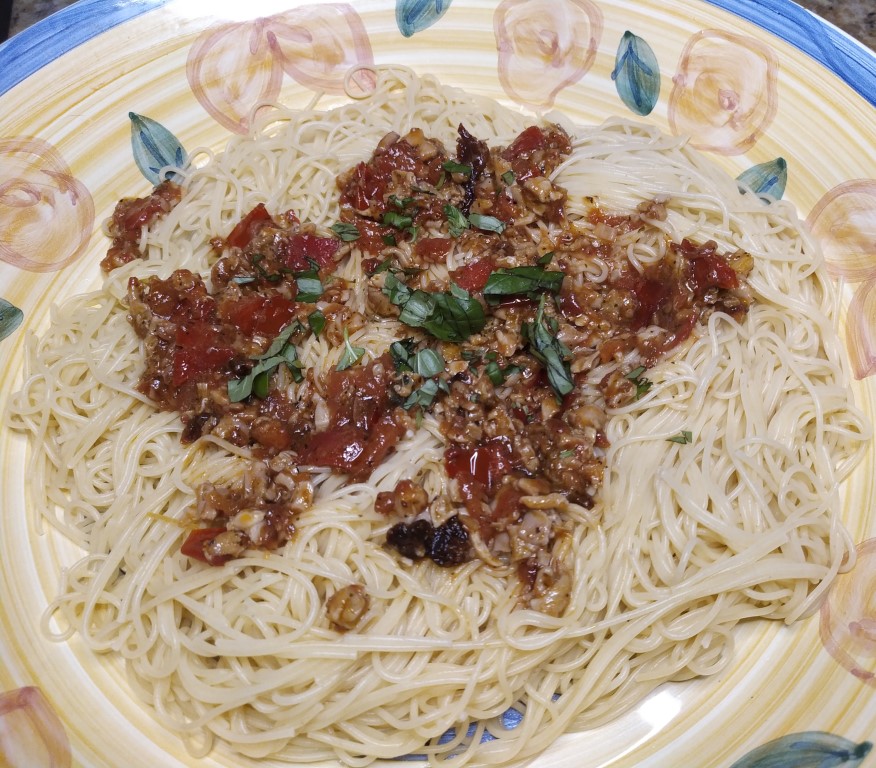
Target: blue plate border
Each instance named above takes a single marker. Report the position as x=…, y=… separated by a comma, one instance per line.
x=847, y=58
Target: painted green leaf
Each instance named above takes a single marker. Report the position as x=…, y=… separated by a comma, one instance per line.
x=766, y=179
x=636, y=74
x=154, y=147
x=808, y=749
x=10, y=318
x=414, y=16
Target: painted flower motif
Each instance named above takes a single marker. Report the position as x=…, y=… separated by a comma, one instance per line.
x=848, y=617
x=230, y=69
x=724, y=94
x=30, y=732
x=544, y=46
x=318, y=44
x=234, y=67
x=844, y=221
x=47, y=214
x=414, y=16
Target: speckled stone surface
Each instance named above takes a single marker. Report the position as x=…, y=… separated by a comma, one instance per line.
x=857, y=17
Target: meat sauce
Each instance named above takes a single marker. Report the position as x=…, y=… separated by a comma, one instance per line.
x=516, y=324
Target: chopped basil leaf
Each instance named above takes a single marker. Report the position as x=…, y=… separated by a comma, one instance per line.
x=509, y=177
x=684, y=437
x=642, y=384
x=257, y=380
x=309, y=287
x=451, y=316
x=426, y=362
x=550, y=351
x=345, y=231
x=451, y=166
x=396, y=220
x=243, y=279
x=456, y=222
x=385, y=264
x=389, y=240
x=425, y=395
x=400, y=202
x=351, y=356
x=487, y=223
x=527, y=281
x=567, y=454
x=316, y=321
x=546, y=259
x=495, y=373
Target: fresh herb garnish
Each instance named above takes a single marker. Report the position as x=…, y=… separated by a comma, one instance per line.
x=546, y=259
x=351, y=356
x=527, y=281
x=549, y=350
x=389, y=240
x=426, y=362
x=451, y=166
x=396, y=220
x=243, y=279
x=642, y=384
x=400, y=202
x=456, y=221
x=509, y=177
x=316, y=321
x=309, y=286
x=497, y=374
x=345, y=231
x=683, y=438
x=272, y=277
x=486, y=223
x=567, y=454
x=449, y=316
x=425, y=395
x=280, y=351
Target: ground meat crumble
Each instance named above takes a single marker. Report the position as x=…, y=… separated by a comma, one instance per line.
x=505, y=328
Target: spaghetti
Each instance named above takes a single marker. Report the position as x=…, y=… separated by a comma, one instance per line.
x=719, y=501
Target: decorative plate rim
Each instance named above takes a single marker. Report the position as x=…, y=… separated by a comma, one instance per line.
x=840, y=53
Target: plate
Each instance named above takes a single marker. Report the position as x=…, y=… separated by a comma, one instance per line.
x=767, y=89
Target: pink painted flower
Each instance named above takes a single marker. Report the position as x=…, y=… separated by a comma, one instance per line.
x=844, y=221
x=30, y=732
x=545, y=46
x=233, y=68
x=861, y=330
x=318, y=45
x=848, y=617
x=47, y=214
x=724, y=94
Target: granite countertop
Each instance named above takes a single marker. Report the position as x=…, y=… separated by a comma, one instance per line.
x=856, y=17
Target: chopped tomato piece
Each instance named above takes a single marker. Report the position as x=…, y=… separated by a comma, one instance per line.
x=265, y=315
x=249, y=226
x=298, y=251
x=474, y=276
x=486, y=463
x=711, y=271
x=527, y=142
x=195, y=546
x=432, y=249
x=198, y=352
